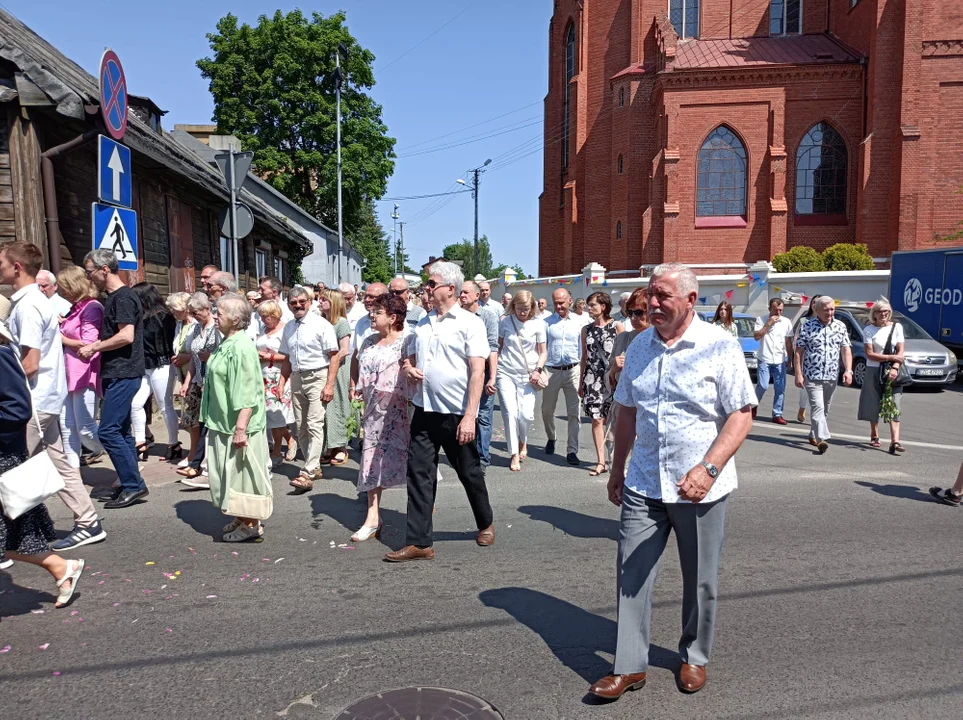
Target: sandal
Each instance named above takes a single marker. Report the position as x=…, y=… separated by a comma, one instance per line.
x=189, y=472
x=142, y=451
x=73, y=576
x=874, y=442
x=303, y=482
x=366, y=532
x=244, y=532
x=339, y=458
x=895, y=447
x=516, y=465
x=174, y=452
x=523, y=454
x=596, y=472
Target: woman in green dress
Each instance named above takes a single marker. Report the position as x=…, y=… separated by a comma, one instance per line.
x=339, y=408
x=232, y=409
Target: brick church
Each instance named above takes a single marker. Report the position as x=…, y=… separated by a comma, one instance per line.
x=727, y=131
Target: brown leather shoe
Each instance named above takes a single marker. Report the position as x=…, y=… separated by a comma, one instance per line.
x=410, y=552
x=612, y=687
x=692, y=678
x=486, y=537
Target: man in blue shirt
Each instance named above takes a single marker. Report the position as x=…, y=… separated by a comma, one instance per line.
x=564, y=354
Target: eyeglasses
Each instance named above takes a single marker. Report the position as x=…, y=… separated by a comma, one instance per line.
x=398, y=293
x=637, y=313
x=301, y=302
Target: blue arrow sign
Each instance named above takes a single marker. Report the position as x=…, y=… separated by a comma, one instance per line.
x=115, y=229
x=113, y=172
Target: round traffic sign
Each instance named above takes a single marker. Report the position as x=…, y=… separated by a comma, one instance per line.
x=113, y=95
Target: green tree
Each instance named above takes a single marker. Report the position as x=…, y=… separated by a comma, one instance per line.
x=370, y=240
x=798, y=259
x=848, y=256
x=465, y=251
x=500, y=270
x=274, y=88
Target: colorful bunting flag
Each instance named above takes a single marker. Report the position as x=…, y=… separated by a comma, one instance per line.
x=728, y=294
x=702, y=301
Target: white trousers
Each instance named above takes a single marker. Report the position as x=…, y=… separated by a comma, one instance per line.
x=79, y=425
x=160, y=381
x=516, y=397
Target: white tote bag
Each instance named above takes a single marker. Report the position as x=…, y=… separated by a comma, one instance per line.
x=26, y=486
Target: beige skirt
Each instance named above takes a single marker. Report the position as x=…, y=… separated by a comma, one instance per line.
x=240, y=479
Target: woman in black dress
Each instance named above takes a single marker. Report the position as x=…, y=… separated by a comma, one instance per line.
x=25, y=539
x=598, y=339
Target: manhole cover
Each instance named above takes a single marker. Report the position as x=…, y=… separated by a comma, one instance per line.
x=421, y=703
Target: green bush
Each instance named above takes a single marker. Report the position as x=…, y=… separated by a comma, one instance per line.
x=799, y=259
x=846, y=256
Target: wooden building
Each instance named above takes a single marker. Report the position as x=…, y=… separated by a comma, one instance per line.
x=47, y=101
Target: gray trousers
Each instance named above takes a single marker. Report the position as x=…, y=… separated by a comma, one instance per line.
x=820, y=394
x=566, y=381
x=643, y=534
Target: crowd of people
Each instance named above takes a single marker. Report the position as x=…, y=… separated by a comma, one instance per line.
x=261, y=379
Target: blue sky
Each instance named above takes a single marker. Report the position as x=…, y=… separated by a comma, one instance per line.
x=488, y=61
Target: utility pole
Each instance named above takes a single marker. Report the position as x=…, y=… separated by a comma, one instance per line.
x=337, y=89
x=401, y=252
x=394, y=237
x=476, y=179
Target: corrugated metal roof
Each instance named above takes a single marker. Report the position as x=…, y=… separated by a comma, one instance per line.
x=760, y=51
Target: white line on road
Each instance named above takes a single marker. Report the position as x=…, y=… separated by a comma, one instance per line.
x=804, y=431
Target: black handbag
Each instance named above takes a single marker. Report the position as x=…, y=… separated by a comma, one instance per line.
x=903, y=377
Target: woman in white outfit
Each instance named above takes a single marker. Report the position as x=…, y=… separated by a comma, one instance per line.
x=521, y=360
x=177, y=304
x=277, y=393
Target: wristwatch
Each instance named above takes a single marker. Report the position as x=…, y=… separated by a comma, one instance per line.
x=711, y=469
x=539, y=369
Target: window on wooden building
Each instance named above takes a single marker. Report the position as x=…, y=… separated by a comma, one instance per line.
x=722, y=175
x=684, y=15
x=227, y=256
x=822, y=170
x=785, y=17
x=260, y=263
x=279, y=269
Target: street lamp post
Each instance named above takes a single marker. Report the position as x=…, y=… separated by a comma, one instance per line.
x=476, y=178
x=338, y=78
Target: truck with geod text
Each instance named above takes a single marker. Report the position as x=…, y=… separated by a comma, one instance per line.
x=927, y=286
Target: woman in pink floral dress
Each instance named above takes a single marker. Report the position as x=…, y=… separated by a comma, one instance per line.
x=376, y=378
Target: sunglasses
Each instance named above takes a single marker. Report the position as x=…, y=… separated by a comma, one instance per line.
x=298, y=303
x=397, y=293
x=431, y=284
x=637, y=313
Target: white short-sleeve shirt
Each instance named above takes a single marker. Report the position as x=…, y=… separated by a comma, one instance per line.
x=772, y=347
x=33, y=324
x=308, y=342
x=682, y=396
x=357, y=311
x=442, y=346
x=879, y=336
x=516, y=336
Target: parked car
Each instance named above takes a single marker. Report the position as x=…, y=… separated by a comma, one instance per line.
x=746, y=325
x=928, y=362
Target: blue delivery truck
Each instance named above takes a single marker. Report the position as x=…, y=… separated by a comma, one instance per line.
x=927, y=286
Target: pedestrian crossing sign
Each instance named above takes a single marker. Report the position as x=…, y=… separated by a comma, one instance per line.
x=115, y=229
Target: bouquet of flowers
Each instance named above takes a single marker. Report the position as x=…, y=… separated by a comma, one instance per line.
x=888, y=411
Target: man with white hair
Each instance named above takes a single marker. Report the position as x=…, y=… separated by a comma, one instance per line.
x=446, y=365
x=355, y=310
x=822, y=341
x=684, y=400
x=220, y=284
x=621, y=316
x=47, y=282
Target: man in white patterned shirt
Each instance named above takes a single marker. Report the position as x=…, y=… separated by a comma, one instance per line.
x=685, y=400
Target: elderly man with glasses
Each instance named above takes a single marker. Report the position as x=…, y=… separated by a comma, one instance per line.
x=354, y=310
x=399, y=288
x=311, y=348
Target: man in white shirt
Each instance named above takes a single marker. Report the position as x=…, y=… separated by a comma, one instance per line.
x=685, y=398
x=485, y=301
x=468, y=299
x=564, y=333
x=446, y=364
x=36, y=333
x=506, y=301
x=543, y=313
x=774, y=334
x=354, y=310
x=47, y=282
x=312, y=352
x=363, y=328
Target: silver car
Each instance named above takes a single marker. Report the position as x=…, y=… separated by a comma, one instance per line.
x=928, y=362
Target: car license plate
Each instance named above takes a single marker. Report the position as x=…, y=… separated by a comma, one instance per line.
x=751, y=363
x=932, y=372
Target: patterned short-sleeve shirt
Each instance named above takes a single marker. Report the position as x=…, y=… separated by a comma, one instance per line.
x=682, y=396
x=822, y=345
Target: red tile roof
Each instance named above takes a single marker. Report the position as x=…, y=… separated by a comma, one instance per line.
x=757, y=51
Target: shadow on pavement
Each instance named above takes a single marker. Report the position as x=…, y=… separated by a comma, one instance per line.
x=202, y=516
x=350, y=514
x=573, y=523
x=574, y=635
x=801, y=442
x=18, y=600
x=907, y=492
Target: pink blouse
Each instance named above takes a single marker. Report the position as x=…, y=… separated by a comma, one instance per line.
x=83, y=322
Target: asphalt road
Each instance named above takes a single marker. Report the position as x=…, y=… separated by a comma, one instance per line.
x=841, y=585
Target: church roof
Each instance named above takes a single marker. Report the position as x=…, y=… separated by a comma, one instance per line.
x=760, y=51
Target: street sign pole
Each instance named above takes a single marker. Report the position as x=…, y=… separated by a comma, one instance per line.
x=233, y=211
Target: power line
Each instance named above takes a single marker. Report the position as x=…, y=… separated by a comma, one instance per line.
x=470, y=127
x=515, y=127
x=430, y=35
x=422, y=197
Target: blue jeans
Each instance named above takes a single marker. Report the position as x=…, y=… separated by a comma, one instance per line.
x=777, y=373
x=486, y=407
x=114, y=432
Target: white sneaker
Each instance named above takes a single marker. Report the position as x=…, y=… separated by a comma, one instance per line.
x=5, y=564
x=196, y=482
